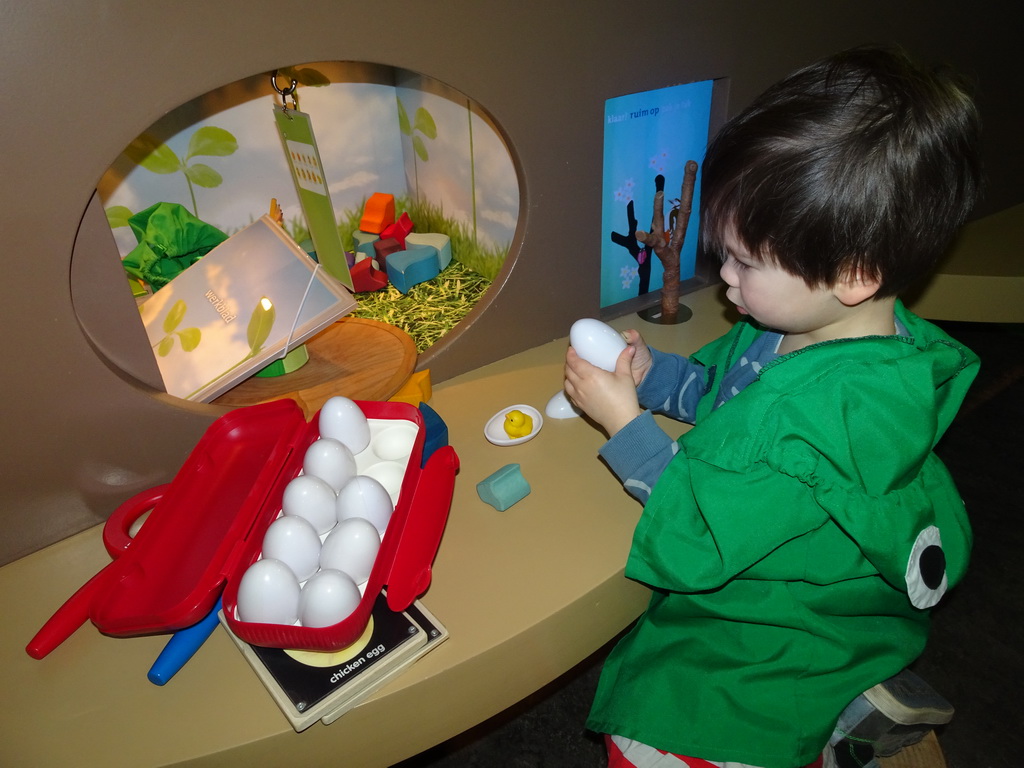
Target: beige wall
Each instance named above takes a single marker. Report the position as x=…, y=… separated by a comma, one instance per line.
x=82, y=78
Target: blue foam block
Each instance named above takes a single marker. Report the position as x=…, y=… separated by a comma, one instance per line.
x=504, y=488
x=364, y=243
x=412, y=267
x=443, y=244
x=435, y=432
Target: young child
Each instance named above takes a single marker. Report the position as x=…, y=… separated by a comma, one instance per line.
x=795, y=538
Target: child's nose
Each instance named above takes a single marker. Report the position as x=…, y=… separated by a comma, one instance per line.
x=728, y=273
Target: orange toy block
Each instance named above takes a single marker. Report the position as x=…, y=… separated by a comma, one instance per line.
x=416, y=389
x=378, y=214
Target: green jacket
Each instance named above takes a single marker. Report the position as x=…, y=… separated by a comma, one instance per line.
x=793, y=546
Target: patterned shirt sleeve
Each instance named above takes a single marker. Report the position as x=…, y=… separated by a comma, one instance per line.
x=674, y=385
x=639, y=453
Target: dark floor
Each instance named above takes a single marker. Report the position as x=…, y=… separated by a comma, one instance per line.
x=975, y=657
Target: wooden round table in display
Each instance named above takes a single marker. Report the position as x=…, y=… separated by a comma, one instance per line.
x=357, y=358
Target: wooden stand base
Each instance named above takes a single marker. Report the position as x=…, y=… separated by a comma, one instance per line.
x=354, y=357
x=656, y=316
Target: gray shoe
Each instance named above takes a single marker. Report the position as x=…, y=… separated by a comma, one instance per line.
x=893, y=714
x=850, y=754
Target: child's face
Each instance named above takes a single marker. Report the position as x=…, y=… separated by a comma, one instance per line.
x=774, y=297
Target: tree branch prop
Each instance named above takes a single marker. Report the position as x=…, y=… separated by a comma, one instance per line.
x=668, y=250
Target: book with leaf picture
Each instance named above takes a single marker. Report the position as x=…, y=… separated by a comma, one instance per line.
x=245, y=304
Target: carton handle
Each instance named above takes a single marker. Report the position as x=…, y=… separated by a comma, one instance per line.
x=117, y=536
x=431, y=502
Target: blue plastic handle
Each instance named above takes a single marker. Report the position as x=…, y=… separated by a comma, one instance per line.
x=183, y=646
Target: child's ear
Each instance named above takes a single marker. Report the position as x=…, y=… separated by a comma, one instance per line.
x=856, y=287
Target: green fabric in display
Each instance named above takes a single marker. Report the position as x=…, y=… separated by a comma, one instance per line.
x=170, y=241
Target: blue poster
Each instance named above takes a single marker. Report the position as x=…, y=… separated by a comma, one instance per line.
x=647, y=135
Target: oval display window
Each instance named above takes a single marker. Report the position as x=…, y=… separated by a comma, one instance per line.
x=282, y=225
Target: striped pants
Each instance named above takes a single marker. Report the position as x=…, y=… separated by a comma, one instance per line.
x=625, y=753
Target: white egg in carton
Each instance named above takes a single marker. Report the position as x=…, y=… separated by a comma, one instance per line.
x=318, y=553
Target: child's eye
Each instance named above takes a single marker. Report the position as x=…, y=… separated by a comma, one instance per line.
x=738, y=265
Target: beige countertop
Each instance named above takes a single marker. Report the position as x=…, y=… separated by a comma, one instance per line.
x=526, y=594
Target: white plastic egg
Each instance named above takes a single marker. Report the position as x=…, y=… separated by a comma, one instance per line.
x=327, y=598
x=294, y=542
x=351, y=547
x=365, y=497
x=312, y=499
x=330, y=460
x=596, y=342
x=343, y=420
x=268, y=593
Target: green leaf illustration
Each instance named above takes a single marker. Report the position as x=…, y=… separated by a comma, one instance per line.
x=260, y=323
x=403, y=120
x=306, y=76
x=165, y=346
x=175, y=316
x=424, y=127
x=118, y=215
x=203, y=175
x=153, y=155
x=211, y=141
x=425, y=124
x=420, y=148
x=190, y=338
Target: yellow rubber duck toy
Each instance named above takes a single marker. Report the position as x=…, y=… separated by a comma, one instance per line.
x=518, y=424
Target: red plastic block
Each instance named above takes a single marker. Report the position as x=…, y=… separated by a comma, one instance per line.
x=383, y=248
x=399, y=230
x=378, y=214
x=366, y=278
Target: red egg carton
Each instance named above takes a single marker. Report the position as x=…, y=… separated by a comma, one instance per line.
x=206, y=527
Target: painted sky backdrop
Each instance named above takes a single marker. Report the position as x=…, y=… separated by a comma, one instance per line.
x=362, y=149
x=647, y=134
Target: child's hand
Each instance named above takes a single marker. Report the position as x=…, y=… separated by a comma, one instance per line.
x=642, y=359
x=609, y=398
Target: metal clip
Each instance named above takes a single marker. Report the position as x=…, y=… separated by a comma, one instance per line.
x=285, y=92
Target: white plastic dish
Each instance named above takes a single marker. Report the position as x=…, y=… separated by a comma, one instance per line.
x=494, y=431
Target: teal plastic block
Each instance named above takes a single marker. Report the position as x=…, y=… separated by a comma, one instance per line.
x=442, y=243
x=504, y=488
x=412, y=267
x=364, y=243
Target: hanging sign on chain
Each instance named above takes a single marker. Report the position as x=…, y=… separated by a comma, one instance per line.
x=303, y=156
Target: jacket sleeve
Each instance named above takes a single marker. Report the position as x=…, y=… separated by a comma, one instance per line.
x=709, y=521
